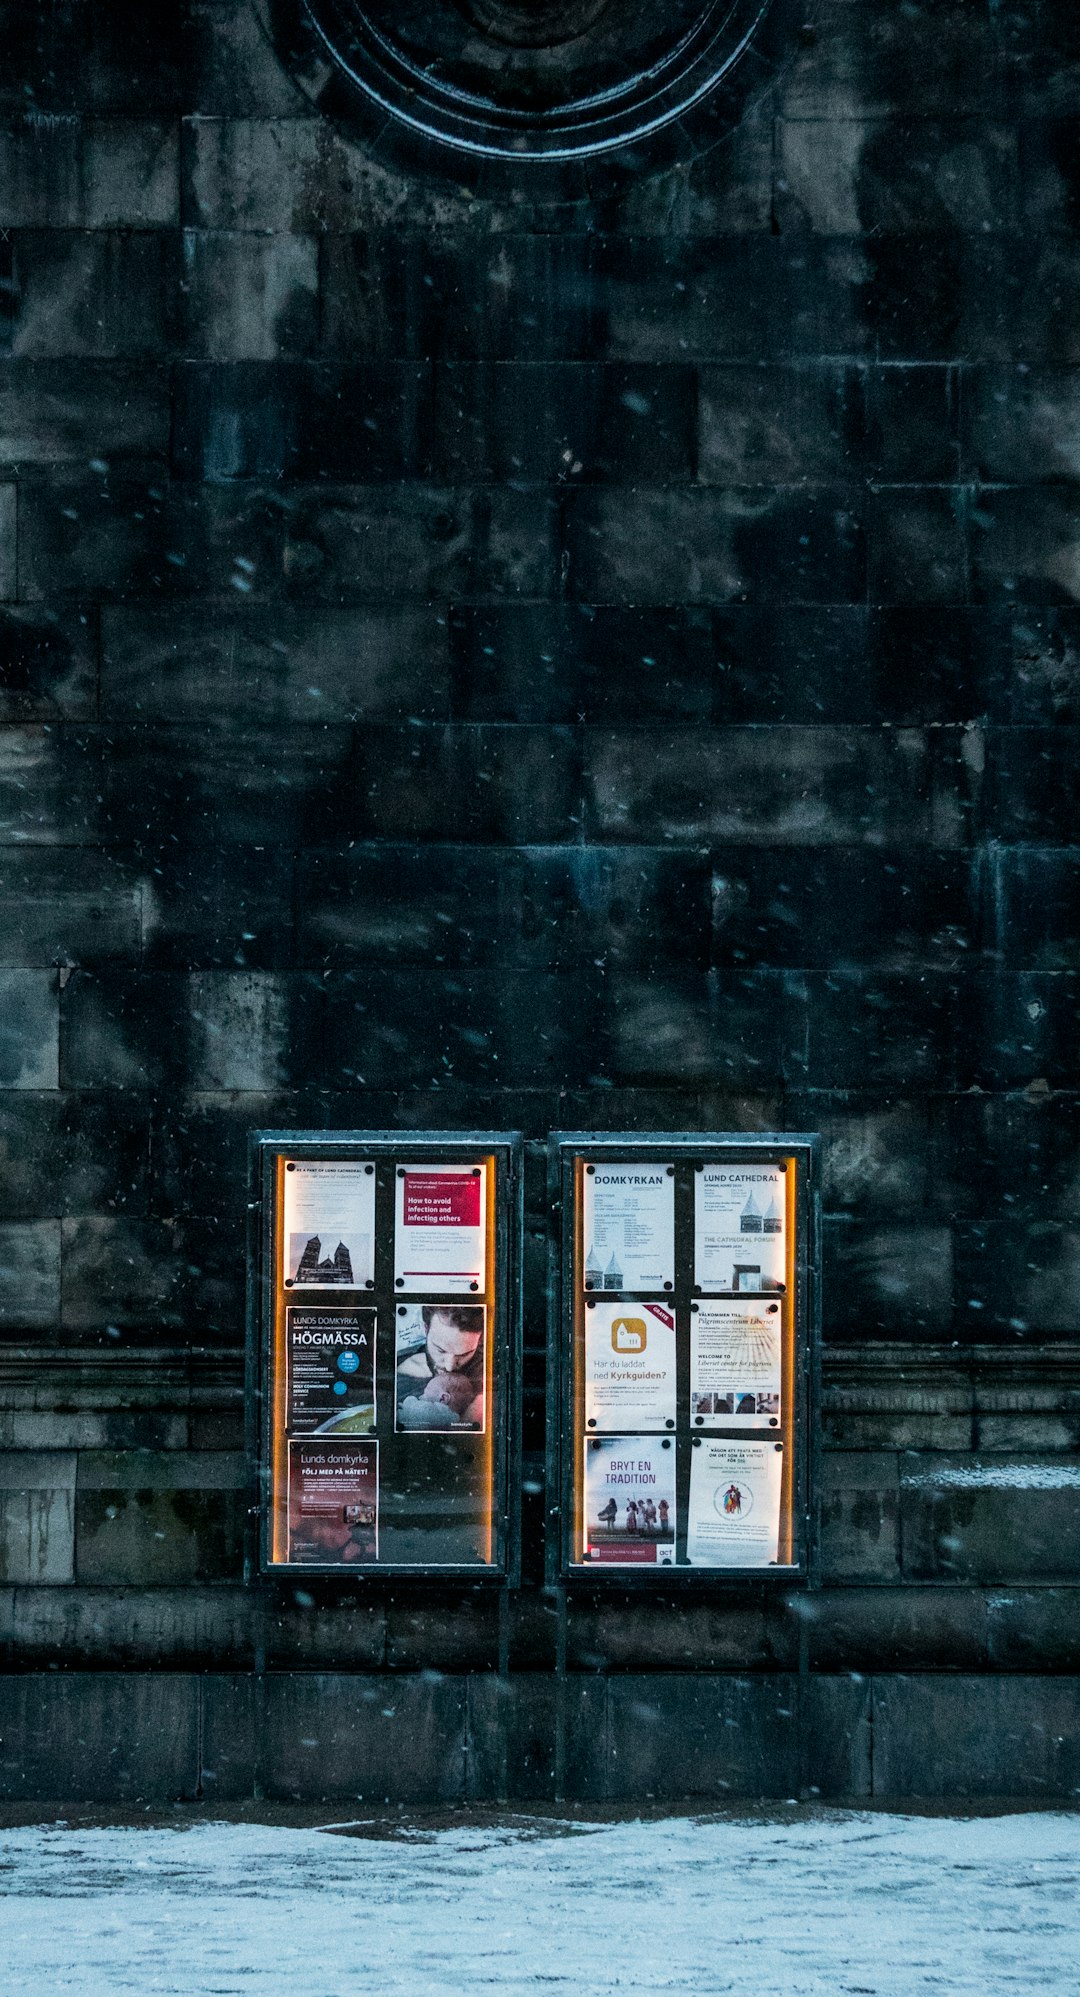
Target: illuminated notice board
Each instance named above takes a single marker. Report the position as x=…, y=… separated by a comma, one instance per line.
x=682, y=1349
x=383, y=1351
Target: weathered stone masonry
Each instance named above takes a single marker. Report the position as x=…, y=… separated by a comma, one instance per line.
x=467, y=661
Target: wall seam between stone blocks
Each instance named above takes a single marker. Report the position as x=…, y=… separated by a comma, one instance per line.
x=870, y=1734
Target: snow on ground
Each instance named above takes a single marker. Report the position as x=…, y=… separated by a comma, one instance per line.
x=809, y=1907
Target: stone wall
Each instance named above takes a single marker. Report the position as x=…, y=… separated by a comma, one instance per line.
x=472, y=660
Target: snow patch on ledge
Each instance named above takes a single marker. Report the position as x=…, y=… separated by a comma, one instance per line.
x=998, y=1477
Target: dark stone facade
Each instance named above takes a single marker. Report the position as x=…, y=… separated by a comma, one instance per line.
x=589, y=660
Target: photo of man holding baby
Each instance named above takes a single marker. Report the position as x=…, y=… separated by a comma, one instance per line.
x=440, y=1366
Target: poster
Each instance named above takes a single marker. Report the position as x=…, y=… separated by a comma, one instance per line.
x=330, y=1356
x=440, y=1370
x=734, y=1518
x=629, y=1227
x=630, y=1501
x=329, y=1225
x=333, y=1502
x=735, y=1353
x=739, y=1227
x=441, y=1228
x=629, y=1366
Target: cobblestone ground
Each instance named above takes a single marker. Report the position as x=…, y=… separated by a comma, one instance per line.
x=770, y=1905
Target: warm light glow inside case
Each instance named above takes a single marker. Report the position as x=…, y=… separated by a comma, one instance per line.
x=383, y=1383
x=685, y=1388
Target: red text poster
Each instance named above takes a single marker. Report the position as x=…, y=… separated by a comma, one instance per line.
x=333, y=1502
x=439, y=1238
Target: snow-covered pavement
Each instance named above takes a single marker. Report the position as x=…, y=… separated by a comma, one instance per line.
x=838, y=1903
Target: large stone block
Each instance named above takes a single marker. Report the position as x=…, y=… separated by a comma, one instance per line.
x=50, y=785
x=900, y=1030
x=976, y=1736
x=682, y=1027
x=123, y=1272
x=1019, y=1031
x=860, y=1516
x=740, y=1632
x=158, y=1519
x=99, y=1736
x=1045, y=648
x=250, y=298
x=217, y=909
x=30, y=1274
x=781, y=786
x=48, y=658
x=1033, y=784
x=289, y=663
x=728, y=299
x=1018, y=1276
x=81, y=907
x=917, y=548
x=131, y=173
x=881, y=1628
x=887, y=1279
x=29, y=1029
x=506, y=786
x=240, y=1027
x=63, y=412
x=104, y=295
x=711, y=545
x=527, y=1730
x=418, y=542
x=374, y=1739
x=552, y=662
x=129, y=1629
x=298, y=420
x=264, y=789
x=885, y=909
x=775, y=426
x=37, y=1517
x=572, y=424
x=989, y=1518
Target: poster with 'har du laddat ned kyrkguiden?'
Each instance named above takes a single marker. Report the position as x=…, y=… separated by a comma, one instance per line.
x=628, y=1227
x=328, y=1225
x=629, y=1501
x=734, y=1514
x=440, y=1231
x=630, y=1366
x=735, y=1363
x=740, y=1228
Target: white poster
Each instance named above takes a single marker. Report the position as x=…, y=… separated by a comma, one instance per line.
x=735, y=1364
x=740, y=1227
x=441, y=1228
x=734, y=1517
x=328, y=1230
x=630, y=1501
x=629, y=1366
x=629, y=1227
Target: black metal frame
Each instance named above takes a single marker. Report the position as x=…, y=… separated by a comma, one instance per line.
x=564, y=1147
x=434, y=1147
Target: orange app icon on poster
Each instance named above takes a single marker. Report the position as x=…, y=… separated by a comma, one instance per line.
x=628, y=1334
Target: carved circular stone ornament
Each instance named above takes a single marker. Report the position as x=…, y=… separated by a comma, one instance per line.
x=521, y=80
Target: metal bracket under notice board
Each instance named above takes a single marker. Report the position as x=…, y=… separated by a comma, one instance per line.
x=683, y=1358
x=383, y=1354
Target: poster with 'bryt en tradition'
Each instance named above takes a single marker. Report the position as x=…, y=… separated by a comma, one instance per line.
x=441, y=1229
x=630, y=1366
x=629, y=1227
x=740, y=1228
x=328, y=1234
x=330, y=1359
x=629, y=1500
